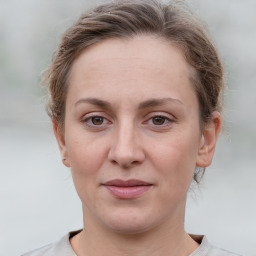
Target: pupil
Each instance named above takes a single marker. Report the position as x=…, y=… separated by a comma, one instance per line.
x=158, y=120
x=97, y=120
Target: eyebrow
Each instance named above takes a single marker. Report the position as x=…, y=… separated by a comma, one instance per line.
x=145, y=104
x=94, y=101
x=158, y=102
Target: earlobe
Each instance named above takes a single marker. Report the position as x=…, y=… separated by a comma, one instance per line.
x=61, y=142
x=208, y=140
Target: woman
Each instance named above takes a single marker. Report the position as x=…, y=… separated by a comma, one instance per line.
x=135, y=98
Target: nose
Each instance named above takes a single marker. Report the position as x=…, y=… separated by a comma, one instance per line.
x=126, y=149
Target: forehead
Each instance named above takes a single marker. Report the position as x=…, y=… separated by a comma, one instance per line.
x=149, y=49
x=145, y=64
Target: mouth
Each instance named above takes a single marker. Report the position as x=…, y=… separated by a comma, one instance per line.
x=128, y=189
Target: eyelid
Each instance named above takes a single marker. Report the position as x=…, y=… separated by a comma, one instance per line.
x=162, y=114
x=93, y=114
x=107, y=120
x=169, y=119
x=85, y=118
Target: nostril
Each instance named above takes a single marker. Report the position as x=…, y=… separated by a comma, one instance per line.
x=135, y=162
x=114, y=162
x=125, y=164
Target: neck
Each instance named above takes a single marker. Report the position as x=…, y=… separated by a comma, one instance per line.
x=169, y=238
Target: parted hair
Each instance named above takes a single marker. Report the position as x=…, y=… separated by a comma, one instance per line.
x=173, y=22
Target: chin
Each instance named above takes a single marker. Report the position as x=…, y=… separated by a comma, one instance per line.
x=129, y=228
x=131, y=222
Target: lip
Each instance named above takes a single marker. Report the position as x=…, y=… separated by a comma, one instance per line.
x=127, y=189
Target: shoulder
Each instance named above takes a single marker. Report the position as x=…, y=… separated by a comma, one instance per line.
x=47, y=250
x=215, y=251
x=207, y=249
x=60, y=248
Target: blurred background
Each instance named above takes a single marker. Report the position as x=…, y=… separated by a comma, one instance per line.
x=38, y=203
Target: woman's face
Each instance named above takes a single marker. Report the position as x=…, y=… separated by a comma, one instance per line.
x=132, y=135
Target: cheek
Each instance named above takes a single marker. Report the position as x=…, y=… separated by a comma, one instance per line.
x=176, y=159
x=86, y=158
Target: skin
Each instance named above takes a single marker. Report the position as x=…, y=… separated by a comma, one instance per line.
x=148, y=130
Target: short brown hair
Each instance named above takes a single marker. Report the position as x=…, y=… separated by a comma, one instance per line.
x=128, y=18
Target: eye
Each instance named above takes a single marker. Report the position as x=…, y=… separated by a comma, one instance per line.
x=159, y=120
x=97, y=120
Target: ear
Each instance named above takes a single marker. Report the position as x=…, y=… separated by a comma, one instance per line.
x=61, y=142
x=208, y=140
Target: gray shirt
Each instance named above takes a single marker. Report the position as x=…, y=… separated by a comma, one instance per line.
x=63, y=248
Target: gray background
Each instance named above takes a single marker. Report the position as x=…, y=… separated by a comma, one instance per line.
x=38, y=203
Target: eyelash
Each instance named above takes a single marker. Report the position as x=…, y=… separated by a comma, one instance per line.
x=166, y=120
x=88, y=121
